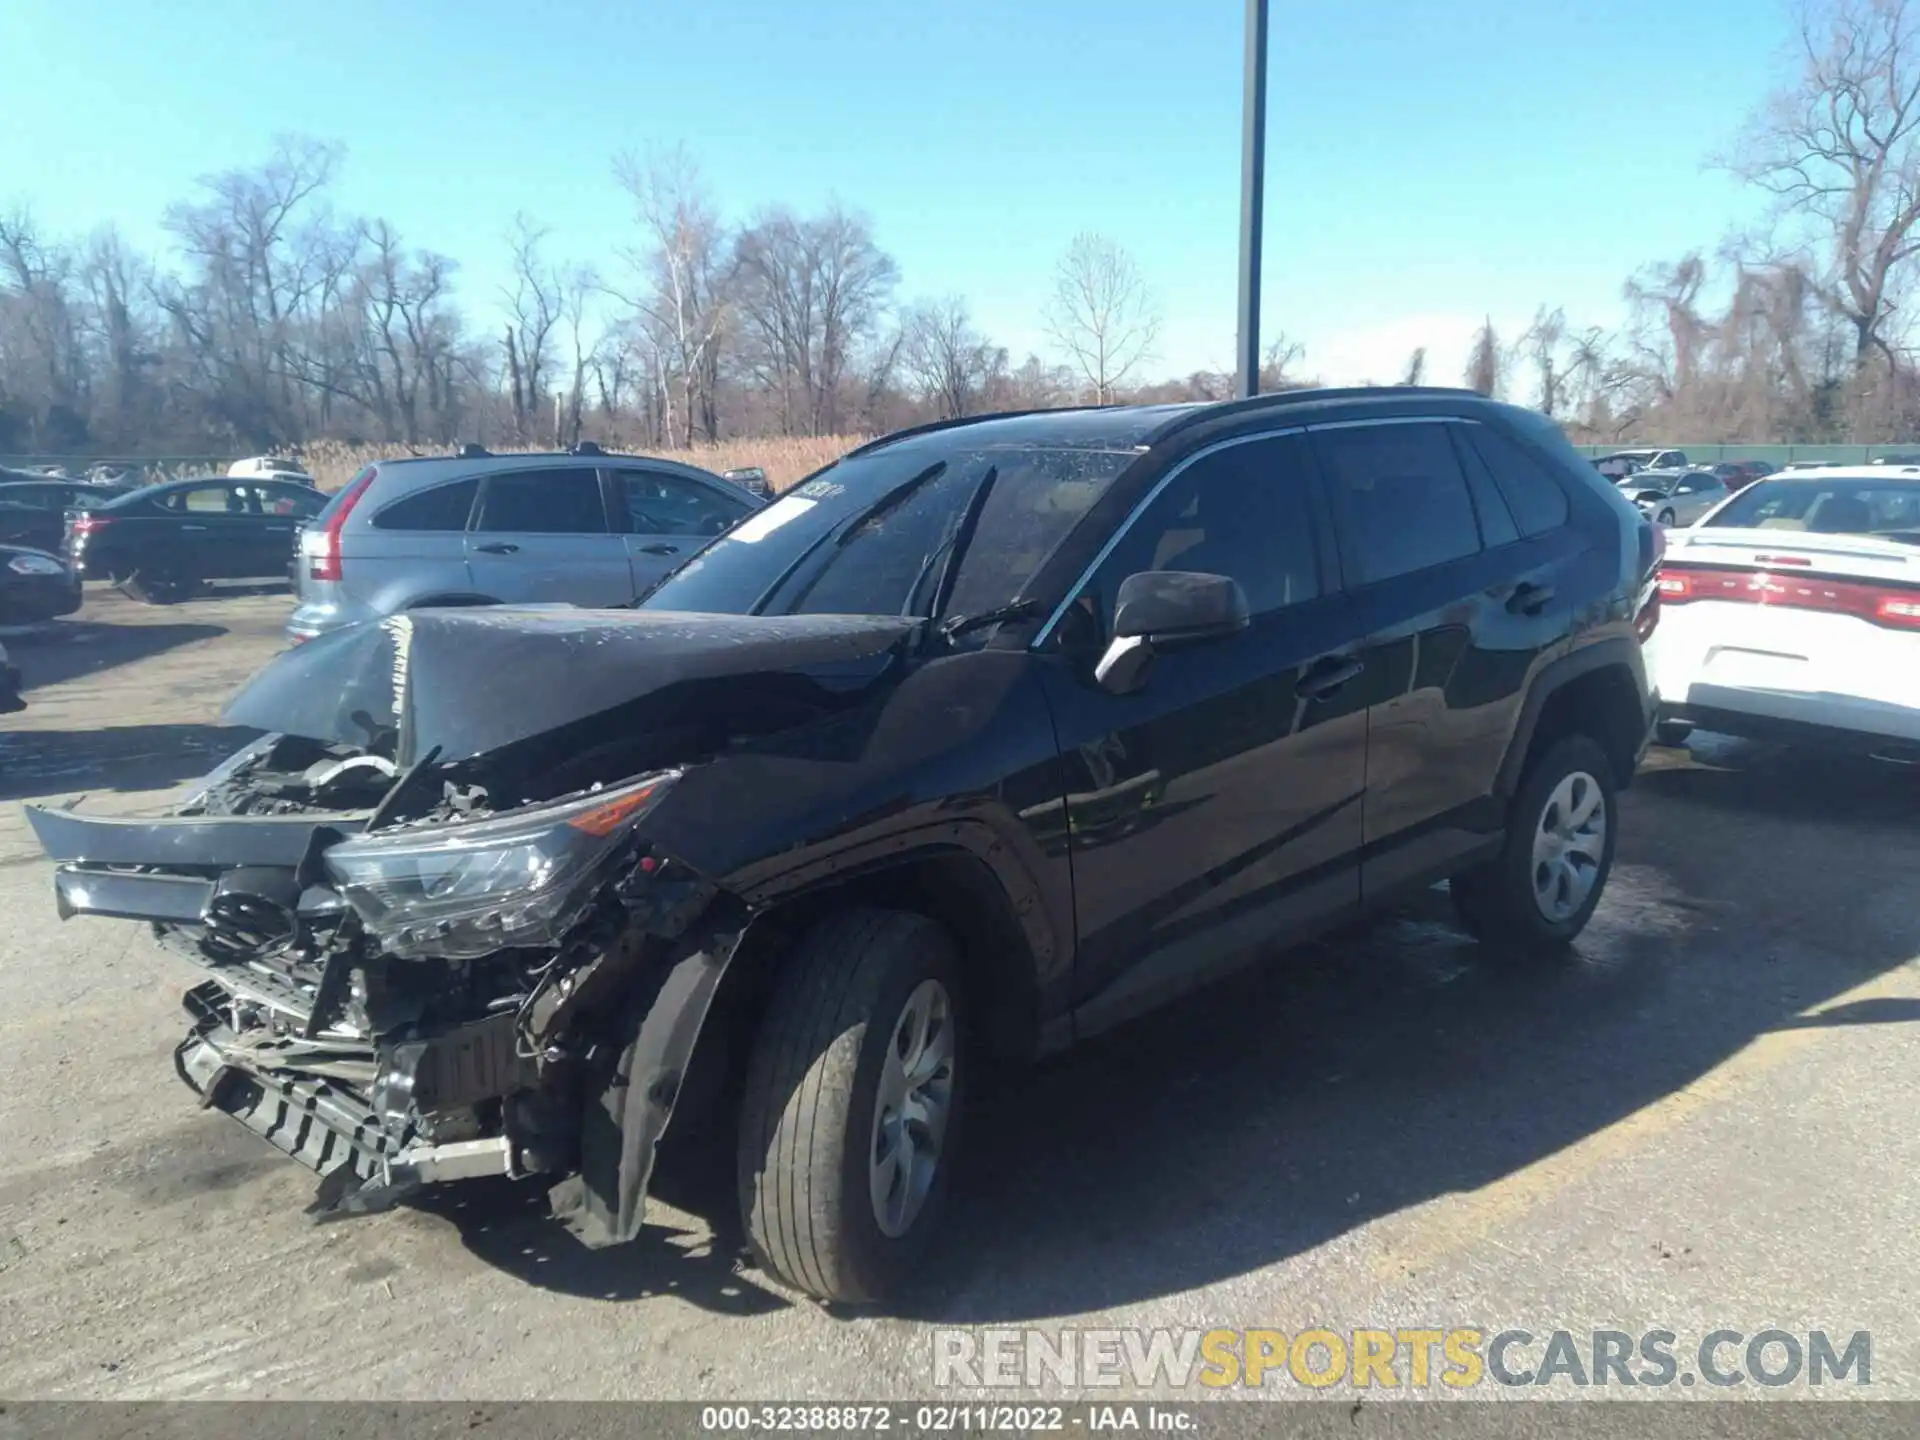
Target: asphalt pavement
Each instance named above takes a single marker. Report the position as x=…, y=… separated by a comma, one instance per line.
x=1700, y=1121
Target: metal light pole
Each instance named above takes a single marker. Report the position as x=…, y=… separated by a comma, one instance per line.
x=1253, y=165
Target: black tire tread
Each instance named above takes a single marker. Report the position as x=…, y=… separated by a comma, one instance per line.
x=793, y=1113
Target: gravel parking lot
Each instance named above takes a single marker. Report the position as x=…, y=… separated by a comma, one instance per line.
x=1703, y=1120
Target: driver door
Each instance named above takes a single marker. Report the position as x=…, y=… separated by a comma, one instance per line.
x=1217, y=809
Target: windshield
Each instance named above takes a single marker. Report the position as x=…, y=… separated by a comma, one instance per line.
x=871, y=534
x=1827, y=507
x=1663, y=484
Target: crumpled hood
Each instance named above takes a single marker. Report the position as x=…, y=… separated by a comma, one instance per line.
x=471, y=681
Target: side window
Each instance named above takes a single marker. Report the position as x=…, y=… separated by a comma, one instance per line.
x=1399, y=497
x=32, y=497
x=1242, y=511
x=1534, y=496
x=543, y=502
x=662, y=504
x=444, y=507
x=1496, y=519
x=287, y=502
x=207, y=500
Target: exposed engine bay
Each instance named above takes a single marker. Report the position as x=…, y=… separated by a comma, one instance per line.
x=437, y=937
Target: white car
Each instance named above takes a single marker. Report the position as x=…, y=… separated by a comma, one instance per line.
x=269, y=467
x=1792, y=612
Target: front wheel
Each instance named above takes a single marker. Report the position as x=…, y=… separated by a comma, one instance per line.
x=851, y=1114
x=1538, y=893
x=1666, y=517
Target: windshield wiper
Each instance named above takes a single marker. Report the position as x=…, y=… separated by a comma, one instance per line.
x=897, y=496
x=947, y=554
x=955, y=626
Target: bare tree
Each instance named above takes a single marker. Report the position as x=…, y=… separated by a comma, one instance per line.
x=684, y=270
x=951, y=362
x=1542, y=344
x=811, y=292
x=1840, y=152
x=1484, y=361
x=1102, y=315
x=533, y=308
x=1416, y=366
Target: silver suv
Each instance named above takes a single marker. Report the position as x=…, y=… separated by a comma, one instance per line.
x=582, y=528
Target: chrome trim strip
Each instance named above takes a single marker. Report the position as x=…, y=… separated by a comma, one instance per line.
x=1120, y=531
x=1395, y=420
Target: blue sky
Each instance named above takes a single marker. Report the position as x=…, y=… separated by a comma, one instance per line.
x=1427, y=163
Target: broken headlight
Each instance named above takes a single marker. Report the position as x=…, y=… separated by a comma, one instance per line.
x=466, y=890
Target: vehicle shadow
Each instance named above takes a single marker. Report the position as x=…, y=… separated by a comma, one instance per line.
x=1376, y=1070
x=35, y=764
x=1399, y=1063
x=68, y=649
x=510, y=1226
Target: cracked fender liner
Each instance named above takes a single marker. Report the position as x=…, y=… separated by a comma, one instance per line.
x=606, y=1204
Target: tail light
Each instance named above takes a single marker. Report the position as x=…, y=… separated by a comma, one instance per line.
x=1863, y=600
x=85, y=525
x=322, y=539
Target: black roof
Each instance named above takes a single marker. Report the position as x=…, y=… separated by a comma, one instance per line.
x=1132, y=427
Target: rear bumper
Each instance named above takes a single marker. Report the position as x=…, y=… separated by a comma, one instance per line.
x=29, y=600
x=1830, y=722
x=312, y=618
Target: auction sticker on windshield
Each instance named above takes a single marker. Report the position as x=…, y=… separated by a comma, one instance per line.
x=763, y=524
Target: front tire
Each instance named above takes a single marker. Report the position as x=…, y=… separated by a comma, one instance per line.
x=850, y=1119
x=1666, y=517
x=1537, y=894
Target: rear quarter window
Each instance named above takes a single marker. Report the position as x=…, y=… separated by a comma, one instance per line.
x=441, y=508
x=1534, y=498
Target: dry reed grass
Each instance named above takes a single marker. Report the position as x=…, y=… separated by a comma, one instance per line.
x=785, y=459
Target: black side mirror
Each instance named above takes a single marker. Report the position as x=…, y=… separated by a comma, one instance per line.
x=1160, y=610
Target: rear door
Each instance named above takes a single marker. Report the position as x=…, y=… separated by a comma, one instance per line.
x=213, y=534
x=280, y=510
x=544, y=535
x=1456, y=601
x=667, y=516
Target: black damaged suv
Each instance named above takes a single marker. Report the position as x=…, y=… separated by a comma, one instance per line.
x=984, y=738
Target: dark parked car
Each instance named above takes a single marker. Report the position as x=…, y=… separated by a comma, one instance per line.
x=35, y=586
x=164, y=542
x=983, y=739
x=33, y=510
x=1738, y=474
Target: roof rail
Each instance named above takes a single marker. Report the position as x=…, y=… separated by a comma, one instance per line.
x=1281, y=399
x=931, y=426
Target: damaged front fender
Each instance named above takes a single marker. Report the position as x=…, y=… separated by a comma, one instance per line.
x=624, y=1120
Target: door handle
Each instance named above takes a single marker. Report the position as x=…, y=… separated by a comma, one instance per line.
x=499, y=547
x=1529, y=599
x=659, y=549
x=1326, y=676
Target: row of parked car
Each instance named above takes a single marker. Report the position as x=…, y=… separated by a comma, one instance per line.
x=581, y=527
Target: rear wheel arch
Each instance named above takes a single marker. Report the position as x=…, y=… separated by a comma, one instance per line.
x=1598, y=690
